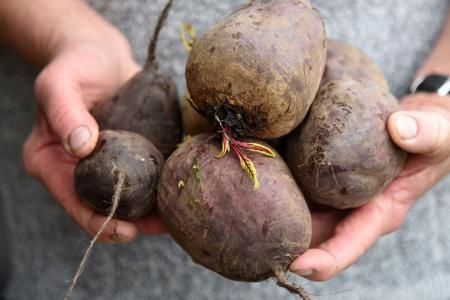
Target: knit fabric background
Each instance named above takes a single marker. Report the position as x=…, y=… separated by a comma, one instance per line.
x=45, y=246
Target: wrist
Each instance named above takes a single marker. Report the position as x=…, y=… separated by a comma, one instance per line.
x=435, y=65
x=438, y=61
x=91, y=30
x=103, y=52
x=107, y=40
x=41, y=34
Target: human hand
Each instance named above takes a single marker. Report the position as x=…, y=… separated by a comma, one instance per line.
x=79, y=75
x=422, y=128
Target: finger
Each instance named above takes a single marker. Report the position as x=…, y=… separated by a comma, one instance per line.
x=426, y=133
x=62, y=103
x=39, y=138
x=323, y=224
x=55, y=169
x=151, y=224
x=351, y=239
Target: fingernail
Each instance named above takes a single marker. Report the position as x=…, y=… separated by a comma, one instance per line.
x=406, y=127
x=122, y=234
x=306, y=272
x=78, y=138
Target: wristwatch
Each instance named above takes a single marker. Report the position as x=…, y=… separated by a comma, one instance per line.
x=433, y=83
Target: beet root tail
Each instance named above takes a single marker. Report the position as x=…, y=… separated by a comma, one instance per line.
x=283, y=282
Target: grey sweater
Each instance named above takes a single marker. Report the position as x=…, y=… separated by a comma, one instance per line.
x=45, y=246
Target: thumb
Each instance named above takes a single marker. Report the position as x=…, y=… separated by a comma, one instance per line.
x=426, y=133
x=62, y=103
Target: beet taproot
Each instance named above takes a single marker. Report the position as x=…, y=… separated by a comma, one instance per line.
x=257, y=71
x=345, y=60
x=147, y=104
x=211, y=210
x=119, y=152
x=342, y=155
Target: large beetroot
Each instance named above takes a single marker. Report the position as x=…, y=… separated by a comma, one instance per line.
x=342, y=154
x=346, y=60
x=211, y=209
x=257, y=71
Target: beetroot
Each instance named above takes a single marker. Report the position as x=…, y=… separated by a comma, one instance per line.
x=257, y=71
x=342, y=155
x=147, y=104
x=212, y=211
x=120, y=152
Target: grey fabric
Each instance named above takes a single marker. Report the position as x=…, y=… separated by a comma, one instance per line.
x=5, y=265
x=46, y=245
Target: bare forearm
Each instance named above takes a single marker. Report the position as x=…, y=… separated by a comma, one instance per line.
x=37, y=29
x=439, y=59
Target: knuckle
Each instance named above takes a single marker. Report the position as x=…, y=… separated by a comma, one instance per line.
x=395, y=225
x=58, y=113
x=442, y=140
x=445, y=131
x=42, y=85
x=82, y=219
x=398, y=211
x=28, y=159
x=29, y=166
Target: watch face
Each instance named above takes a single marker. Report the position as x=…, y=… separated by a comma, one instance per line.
x=432, y=83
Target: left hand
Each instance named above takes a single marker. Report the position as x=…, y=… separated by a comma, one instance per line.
x=80, y=75
x=422, y=128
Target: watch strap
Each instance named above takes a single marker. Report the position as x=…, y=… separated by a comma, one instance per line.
x=434, y=83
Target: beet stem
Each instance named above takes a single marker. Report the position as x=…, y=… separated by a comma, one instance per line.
x=115, y=203
x=151, y=58
x=283, y=282
x=187, y=36
x=238, y=148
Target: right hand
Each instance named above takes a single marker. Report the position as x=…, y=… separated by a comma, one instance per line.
x=79, y=75
x=422, y=128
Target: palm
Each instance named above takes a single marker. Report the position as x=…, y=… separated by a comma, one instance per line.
x=417, y=176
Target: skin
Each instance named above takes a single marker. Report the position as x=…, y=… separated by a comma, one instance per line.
x=345, y=60
x=48, y=40
x=256, y=94
x=342, y=154
x=211, y=209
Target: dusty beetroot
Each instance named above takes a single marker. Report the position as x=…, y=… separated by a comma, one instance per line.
x=211, y=209
x=257, y=71
x=342, y=154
